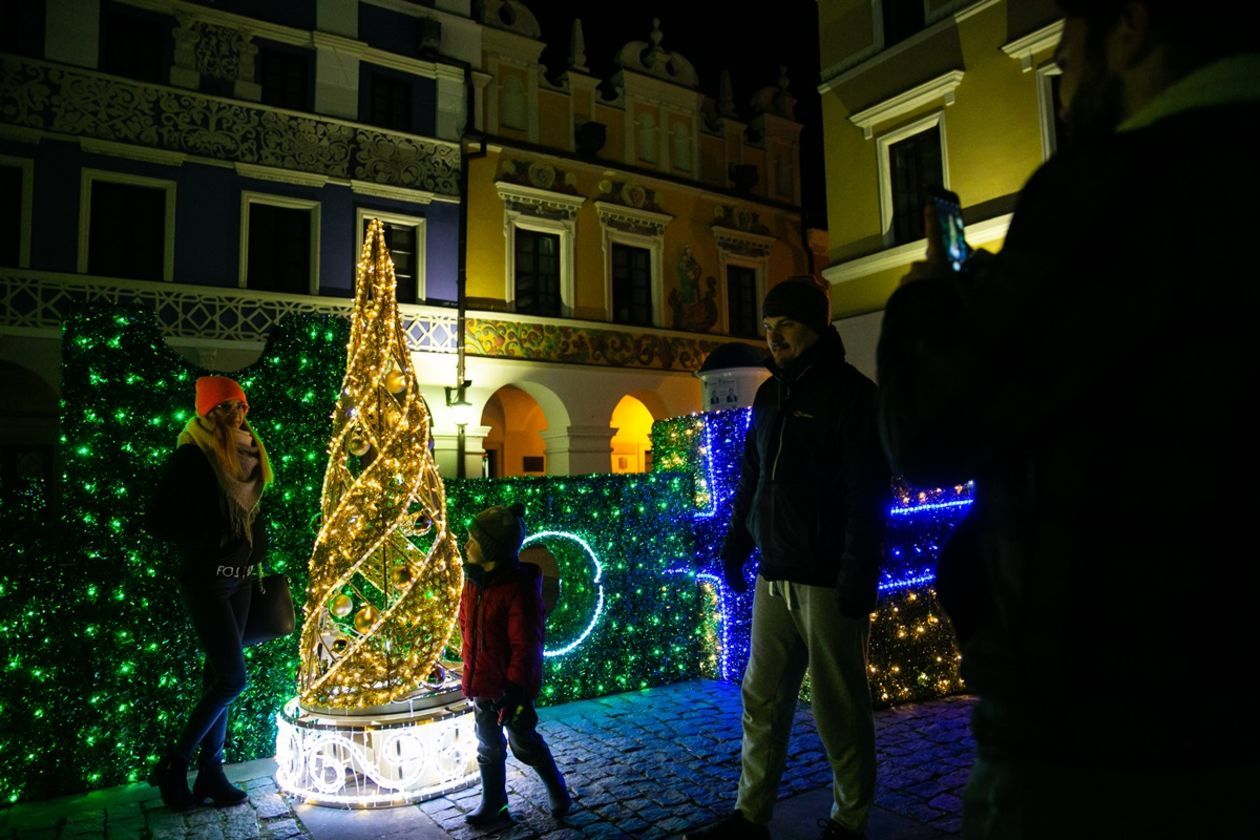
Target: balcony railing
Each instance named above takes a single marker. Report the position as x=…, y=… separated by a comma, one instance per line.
x=36, y=302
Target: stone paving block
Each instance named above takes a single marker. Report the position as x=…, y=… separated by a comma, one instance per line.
x=283, y=829
x=270, y=805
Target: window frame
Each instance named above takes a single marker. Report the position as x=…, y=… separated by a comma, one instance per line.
x=250, y=197
x=648, y=233
x=88, y=177
x=560, y=247
x=25, y=205
x=612, y=243
x=884, y=142
x=541, y=211
x=362, y=214
x=747, y=250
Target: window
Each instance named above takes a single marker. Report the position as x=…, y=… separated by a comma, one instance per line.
x=540, y=226
x=902, y=18
x=12, y=185
x=22, y=28
x=285, y=79
x=741, y=300
x=126, y=226
x=634, y=245
x=134, y=44
x=537, y=273
x=389, y=102
x=914, y=164
x=404, y=237
x=631, y=285
x=280, y=251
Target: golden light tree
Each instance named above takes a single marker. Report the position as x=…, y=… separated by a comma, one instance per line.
x=385, y=573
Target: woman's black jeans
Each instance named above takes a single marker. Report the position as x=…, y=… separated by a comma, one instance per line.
x=218, y=607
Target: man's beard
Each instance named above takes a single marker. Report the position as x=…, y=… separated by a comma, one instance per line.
x=1097, y=107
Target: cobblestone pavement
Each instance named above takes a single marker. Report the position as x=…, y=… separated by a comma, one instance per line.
x=647, y=764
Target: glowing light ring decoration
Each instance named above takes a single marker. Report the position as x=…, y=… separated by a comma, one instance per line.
x=376, y=762
x=907, y=583
x=925, y=508
x=599, y=598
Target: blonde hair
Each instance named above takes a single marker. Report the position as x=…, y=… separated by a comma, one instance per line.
x=225, y=446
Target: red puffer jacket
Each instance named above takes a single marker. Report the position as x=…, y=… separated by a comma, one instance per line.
x=501, y=619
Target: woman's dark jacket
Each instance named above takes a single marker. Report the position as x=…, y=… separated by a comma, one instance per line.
x=814, y=484
x=501, y=618
x=187, y=508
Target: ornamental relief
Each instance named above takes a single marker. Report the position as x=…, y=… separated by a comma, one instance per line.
x=24, y=93
x=89, y=105
x=99, y=108
x=584, y=345
x=219, y=51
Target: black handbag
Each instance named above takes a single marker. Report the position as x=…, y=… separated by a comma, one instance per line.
x=270, y=611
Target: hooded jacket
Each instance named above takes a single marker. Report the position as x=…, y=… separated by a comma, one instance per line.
x=501, y=619
x=814, y=484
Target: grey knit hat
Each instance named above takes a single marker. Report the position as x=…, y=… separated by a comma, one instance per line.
x=499, y=530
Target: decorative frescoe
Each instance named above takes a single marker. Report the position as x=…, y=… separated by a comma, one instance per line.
x=693, y=310
x=385, y=571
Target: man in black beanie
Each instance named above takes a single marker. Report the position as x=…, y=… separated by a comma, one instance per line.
x=812, y=495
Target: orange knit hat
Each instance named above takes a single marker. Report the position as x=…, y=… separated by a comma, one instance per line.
x=213, y=390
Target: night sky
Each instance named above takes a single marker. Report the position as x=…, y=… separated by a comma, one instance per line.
x=713, y=37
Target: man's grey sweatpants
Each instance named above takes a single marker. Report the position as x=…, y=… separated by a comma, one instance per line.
x=797, y=627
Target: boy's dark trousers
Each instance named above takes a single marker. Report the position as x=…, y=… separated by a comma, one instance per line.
x=528, y=747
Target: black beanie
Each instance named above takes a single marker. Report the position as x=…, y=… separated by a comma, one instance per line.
x=499, y=531
x=800, y=300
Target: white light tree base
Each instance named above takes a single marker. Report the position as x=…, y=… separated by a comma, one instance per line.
x=407, y=752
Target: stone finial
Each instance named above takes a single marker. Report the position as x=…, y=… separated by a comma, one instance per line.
x=650, y=54
x=726, y=95
x=577, y=48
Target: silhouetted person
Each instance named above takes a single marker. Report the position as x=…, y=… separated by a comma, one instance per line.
x=1094, y=379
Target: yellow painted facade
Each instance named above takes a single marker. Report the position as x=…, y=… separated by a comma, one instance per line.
x=663, y=179
x=978, y=71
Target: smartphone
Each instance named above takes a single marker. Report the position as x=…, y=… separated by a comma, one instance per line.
x=949, y=227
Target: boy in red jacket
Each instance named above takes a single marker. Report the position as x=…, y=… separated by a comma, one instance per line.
x=501, y=619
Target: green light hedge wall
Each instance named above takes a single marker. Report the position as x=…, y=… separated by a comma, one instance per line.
x=100, y=664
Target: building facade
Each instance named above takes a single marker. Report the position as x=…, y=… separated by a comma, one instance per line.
x=569, y=247
x=916, y=92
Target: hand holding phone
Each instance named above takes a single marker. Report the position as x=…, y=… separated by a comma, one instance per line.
x=945, y=229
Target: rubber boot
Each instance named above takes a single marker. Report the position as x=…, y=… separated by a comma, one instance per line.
x=212, y=784
x=493, y=807
x=170, y=777
x=557, y=790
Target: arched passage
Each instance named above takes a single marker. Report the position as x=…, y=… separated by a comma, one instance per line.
x=513, y=444
x=632, y=443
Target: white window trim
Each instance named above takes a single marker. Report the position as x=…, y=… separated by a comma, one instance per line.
x=248, y=198
x=361, y=216
x=91, y=176
x=933, y=120
x=562, y=209
x=610, y=215
x=1045, y=107
x=1024, y=49
x=733, y=247
x=941, y=89
x=27, y=167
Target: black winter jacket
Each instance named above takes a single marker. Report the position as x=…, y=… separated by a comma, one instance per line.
x=814, y=484
x=187, y=508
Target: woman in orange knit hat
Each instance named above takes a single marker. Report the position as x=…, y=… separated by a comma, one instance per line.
x=207, y=504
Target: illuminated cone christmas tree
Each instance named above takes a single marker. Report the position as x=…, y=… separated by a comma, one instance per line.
x=385, y=572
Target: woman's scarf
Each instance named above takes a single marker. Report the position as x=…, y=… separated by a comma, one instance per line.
x=238, y=496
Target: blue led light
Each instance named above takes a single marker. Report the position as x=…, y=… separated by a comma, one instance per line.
x=926, y=508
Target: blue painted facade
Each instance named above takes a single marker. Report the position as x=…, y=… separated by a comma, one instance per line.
x=222, y=139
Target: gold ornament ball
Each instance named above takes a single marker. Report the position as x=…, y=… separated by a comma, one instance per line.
x=395, y=382
x=365, y=618
x=400, y=576
x=341, y=606
x=358, y=445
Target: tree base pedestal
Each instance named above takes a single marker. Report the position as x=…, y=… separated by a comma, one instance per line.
x=407, y=752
